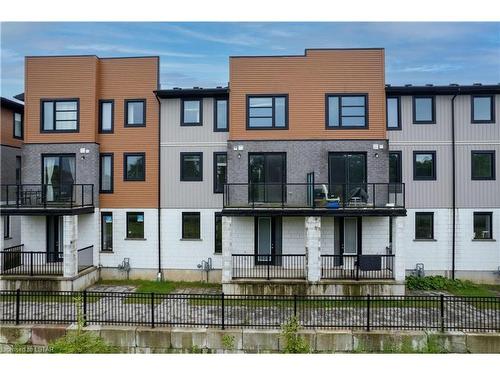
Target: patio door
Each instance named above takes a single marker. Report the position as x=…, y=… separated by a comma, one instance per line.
x=58, y=173
x=349, y=229
x=267, y=176
x=54, y=238
x=347, y=175
x=268, y=231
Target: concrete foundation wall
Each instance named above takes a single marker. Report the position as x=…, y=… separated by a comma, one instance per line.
x=36, y=338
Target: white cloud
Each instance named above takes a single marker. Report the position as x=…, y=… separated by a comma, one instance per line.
x=128, y=50
x=238, y=39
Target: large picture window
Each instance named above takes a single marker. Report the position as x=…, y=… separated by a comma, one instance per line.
x=346, y=111
x=134, y=166
x=106, y=231
x=191, y=166
x=60, y=115
x=424, y=225
x=135, y=225
x=106, y=173
x=267, y=112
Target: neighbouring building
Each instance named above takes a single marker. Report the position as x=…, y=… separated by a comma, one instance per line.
x=307, y=174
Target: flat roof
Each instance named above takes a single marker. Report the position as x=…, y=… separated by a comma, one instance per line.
x=443, y=90
x=193, y=92
x=15, y=106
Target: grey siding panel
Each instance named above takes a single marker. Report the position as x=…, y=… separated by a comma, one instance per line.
x=188, y=194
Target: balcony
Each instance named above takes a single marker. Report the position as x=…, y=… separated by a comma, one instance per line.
x=370, y=199
x=43, y=199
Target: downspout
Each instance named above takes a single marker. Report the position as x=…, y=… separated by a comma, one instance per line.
x=159, y=276
x=453, y=185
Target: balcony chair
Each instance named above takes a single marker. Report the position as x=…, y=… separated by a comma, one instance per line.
x=331, y=201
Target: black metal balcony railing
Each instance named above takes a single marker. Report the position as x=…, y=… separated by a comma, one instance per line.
x=15, y=261
x=47, y=196
x=85, y=258
x=314, y=195
x=357, y=267
x=283, y=266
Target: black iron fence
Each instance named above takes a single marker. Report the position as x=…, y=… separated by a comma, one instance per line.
x=276, y=266
x=15, y=261
x=314, y=195
x=47, y=196
x=357, y=267
x=437, y=312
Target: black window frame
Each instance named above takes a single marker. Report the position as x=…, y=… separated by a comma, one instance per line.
x=6, y=227
x=193, y=214
x=107, y=213
x=216, y=154
x=55, y=101
x=112, y=102
x=126, y=103
x=425, y=213
x=398, y=98
x=434, y=167
x=433, y=109
x=493, y=165
x=14, y=125
x=216, y=100
x=482, y=213
x=101, y=156
x=200, y=103
x=273, y=116
x=396, y=187
x=20, y=170
x=492, y=109
x=143, y=220
x=217, y=216
x=184, y=178
x=125, y=157
x=340, y=96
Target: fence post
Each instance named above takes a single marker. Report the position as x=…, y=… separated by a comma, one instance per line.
x=368, y=312
x=31, y=263
x=223, y=325
x=84, y=308
x=441, y=311
x=152, y=309
x=18, y=305
x=295, y=305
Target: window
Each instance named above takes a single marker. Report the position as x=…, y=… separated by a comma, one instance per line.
x=395, y=171
x=135, y=225
x=191, y=225
x=346, y=111
x=218, y=233
x=191, y=166
x=60, y=115
x=424, y=225
x=267, y=112
x=393, y=113
x=107, y=231
x=424, y=110
x=221, y=110
x=135, y=112
x=424, y=165
x=483, y=165
x=6, y=226
x=18, y=126
x=134, y=166
x=192, y=112
x=483, y=225
x=106, y=173
x=220, y=171
x=482, y=109
x=106, y=116
x=18, y=170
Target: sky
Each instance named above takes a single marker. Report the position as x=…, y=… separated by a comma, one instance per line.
x=196, y=54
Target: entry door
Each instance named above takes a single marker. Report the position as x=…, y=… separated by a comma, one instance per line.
x=268, y=240
x=347, y=173
x=54, y=238
x=350, y=243
x=267, y=176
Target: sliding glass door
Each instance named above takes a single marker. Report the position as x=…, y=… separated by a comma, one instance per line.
x=267, y=177
x=58, y=173
x=347, y=173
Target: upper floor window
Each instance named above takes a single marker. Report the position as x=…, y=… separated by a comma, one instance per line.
x=191, y=166
x=346, y=111
x=134, y=166
x=393, y=113
x=135, y=112
x=106, y=116
x=192, y=112
x=106, y=173
x=220, y=171
x=424, y=165
x=483, y=165
x=267, y=112
x=424, y=110
x=60, y=115
x=483, y=109
x=221, y=108
x=395, y=171
x=18, y=125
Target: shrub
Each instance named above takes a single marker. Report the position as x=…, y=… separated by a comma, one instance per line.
x=294, y=343
x=228, y=342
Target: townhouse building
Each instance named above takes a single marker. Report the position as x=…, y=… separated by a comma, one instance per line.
x=307, y=174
